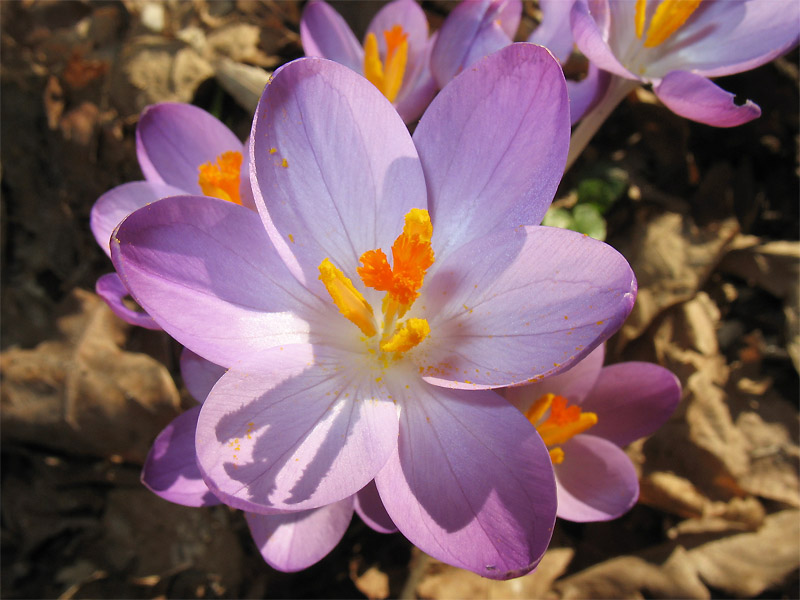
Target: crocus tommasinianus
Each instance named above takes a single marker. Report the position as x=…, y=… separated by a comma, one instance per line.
x=585, y=416
x=344, y=368
x=182, y=149
x=476, y=28
x=675, y=46
x=288, y=542
x=394, y=56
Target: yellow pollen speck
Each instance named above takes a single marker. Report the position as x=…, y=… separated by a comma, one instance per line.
x=273, y=150
x=285, y=163
x=599, y=323
x=221, y=180
x=291, y=238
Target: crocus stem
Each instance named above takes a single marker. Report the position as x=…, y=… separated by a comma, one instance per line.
x=618, y=88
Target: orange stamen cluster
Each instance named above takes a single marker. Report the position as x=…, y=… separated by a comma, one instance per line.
x=669, y=16
x=387, y=76
x=412, y=256
x=221, y=180
x=563, y=422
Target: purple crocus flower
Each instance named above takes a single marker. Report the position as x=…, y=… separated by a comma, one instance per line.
x=394, y=57
x=344, y=368
x=288, y=542
x=585, y=416
x=675, y=46
x=476, y=28
x=182, y=149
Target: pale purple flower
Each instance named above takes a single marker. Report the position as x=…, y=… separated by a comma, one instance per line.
x=586, y=415
x=476, y=28
x=675, y=46
x=288, y=542
x=182, y=149
x=333, y=383
x=394, y=56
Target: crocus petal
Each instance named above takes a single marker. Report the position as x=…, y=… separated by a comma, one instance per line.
x=170, y=470
x=410, y=16
x=471, y=31
x=632, y=400
x=206, y=271
x=493, y=145
x=294, y=541
x=293, y=436
x=173, y=140
x=573, y=384
x=415, y=97
x=590, y=40
x=111, y=289
x=335, y=168
x=699, y=99
x=521, y=305
x=731, y=36
x=117, y=203
x=586, y=93
x=471, y=482
x=596, y=481
x=372, y=511
x=199, y=375
x=324, y=33
x=554, y=32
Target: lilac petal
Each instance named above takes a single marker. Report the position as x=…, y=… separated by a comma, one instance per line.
x=206, y=271
x=245, y=189
x=420, y=90
x=699, y=99
x=170, y=470
x=723, y=37
x=589, y=38
x=199, y=375
x=324, y=33
x=410, y=16
x=573, y=384
x=471, y=482
x=493, y=145
x=632, y=400
x=294, y=541
x=111, y=289
x=471, y=31
x=294, y=436
x=372, y=511
x=554, y=32
x=586, y=93
x=173, y=140
x=335, y=168
x=117, y=203
x=596, y=481
x=521, y=305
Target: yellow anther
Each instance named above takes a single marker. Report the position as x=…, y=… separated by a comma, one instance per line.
x=641, y=6
x=556, y=456
x=221, y=180
x=668, y=18
x=562, y=424
x=408, y=335
x=387, y=76
x=348, y=299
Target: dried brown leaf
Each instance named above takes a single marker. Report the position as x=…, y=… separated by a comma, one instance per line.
x=84, y=393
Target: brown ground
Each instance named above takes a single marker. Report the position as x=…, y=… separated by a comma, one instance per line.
x=708, y=218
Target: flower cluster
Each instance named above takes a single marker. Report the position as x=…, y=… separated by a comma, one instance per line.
x=376, y=322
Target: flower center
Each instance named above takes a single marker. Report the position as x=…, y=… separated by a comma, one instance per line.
x=412, y=256
x=221, y=180
x=563, y=422
x=387, y=76
x=667, y=19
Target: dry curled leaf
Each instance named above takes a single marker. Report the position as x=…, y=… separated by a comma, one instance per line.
x=84, y=393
